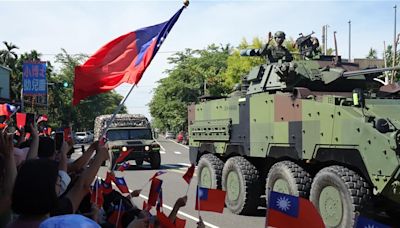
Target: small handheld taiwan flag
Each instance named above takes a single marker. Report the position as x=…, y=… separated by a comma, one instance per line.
x=189, y=174
x=157, y=174
x=122, y=156
x=155, y=190
x=124, y=166
x=121, y=184
x=363, y=222
x=210, y=200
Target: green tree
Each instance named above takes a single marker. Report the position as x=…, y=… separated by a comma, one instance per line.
x=372, y=54
x=389, y=61
x=193, y=71
x=7, y=56
x=238, y=66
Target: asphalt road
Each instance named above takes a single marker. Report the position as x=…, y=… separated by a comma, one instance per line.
x=175, y=160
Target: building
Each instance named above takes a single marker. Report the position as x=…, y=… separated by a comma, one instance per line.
x=5, y=74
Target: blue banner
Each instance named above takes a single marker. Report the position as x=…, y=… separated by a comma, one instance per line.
x=34, y=78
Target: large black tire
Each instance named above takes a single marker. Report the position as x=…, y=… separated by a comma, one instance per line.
x=240, y=179
x=353, y=190
x=155, y=160
x=209, y=170
x=298, y=181
x=139, y=161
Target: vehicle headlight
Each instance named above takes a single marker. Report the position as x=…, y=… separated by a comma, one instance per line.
x=124, y=148
x=146, y=148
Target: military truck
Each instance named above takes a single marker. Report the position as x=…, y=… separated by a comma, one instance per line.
x=317, y=127
x=130, y=132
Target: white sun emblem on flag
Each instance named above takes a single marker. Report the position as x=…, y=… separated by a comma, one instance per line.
x=369, y=226
x=283, y=203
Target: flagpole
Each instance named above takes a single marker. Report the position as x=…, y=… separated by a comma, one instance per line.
x=119, y=211
x=116, y=111
x=187, y=190
x=96, y=187
x=198, y=201
x=113, y=117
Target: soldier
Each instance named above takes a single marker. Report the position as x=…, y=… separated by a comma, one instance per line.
x=273, y=53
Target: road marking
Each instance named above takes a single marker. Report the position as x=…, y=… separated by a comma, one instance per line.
x=184, y=164
x=162, y=152
x=178, y=143
x=177, y=152
x=183, y=213
x=162, y=148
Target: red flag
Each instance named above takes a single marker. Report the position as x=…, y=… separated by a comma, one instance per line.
x=121, y=184
x=116, y=215
x=146, y=206
x=292, y=211
x=124, y=166
x=159, y=201
x=210, y=200
x=4, y=111
x=122, y=156
x=157, y=174
x=154, y=191
x=189, y=174
x=21, y=120
x=180, y=223
x=42, y=118
x=124, y=59
x=106, y=184
x=164, y=220
x=97, y=194
x=67, y=134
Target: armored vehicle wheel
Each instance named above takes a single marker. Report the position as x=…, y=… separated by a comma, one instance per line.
x=139, y=161
x=338, y=193
x=289, y=178
x=209, y=171
x=240, y=181
x=155, y=160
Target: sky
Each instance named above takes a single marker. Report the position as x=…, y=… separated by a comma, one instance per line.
x=85, y=26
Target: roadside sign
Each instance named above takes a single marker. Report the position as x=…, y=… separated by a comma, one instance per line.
x=34, y=78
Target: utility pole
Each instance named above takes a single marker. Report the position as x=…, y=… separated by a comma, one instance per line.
x=326, y=39
x=349, y=41
x=394, y=44
x=323, y=40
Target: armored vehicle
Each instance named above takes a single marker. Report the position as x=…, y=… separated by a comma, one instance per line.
x=316, y=127
x=133, y=133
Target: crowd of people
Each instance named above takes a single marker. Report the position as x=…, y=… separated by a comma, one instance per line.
x=41, y=186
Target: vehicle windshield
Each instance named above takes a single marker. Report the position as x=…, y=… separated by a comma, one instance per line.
x=128, y=134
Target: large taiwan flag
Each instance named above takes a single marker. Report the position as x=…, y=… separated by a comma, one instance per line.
x=121, y=60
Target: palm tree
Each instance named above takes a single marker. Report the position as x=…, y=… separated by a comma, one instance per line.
x=7, y=56
x=372, y=54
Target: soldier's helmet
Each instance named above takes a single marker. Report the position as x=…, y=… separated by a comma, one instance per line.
x=280, y=34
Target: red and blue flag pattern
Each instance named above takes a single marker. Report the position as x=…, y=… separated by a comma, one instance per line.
x=155, y=190
x=121, y=184
x=123, y=59
x=210, y=200
x=363, y=222
x=291, y=211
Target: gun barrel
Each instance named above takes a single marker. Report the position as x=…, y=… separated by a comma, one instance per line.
x=369, y=71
